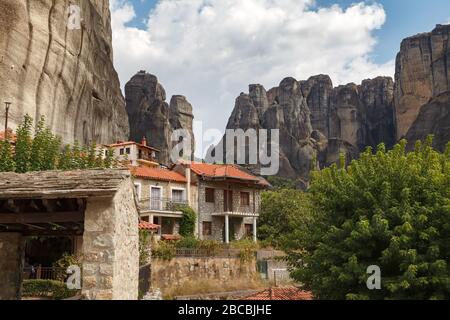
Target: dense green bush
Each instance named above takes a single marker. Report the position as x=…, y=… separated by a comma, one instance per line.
x=56, y=290
x=164, y=250
x=285, y=213
x=187, y=223
x=390, y=209
x=38, y=149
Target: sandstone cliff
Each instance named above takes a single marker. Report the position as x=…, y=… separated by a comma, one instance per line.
x=152, y=117
x=422, y=87
x=66, y=75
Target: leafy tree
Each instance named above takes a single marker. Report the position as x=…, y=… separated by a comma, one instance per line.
x=187, y=224
x=41, y=150
x=390, y=209
x=6, y=157
x=284, y=215
x=23, y=145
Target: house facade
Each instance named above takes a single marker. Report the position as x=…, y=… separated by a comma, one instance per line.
x=229, y=201
x=161, y=193
x=226, y=198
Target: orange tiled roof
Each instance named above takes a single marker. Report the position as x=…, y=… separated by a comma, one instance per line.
x=225, y=171
x=11, y=135
x=143, y=225
x=170, y=237
x=157, y=174
x=282, y=293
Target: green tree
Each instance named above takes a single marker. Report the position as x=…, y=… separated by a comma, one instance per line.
x=187, y=224
x=390, y=209
x=6, y=157
x=285, y=214
x=44, y=148
x=23, y=145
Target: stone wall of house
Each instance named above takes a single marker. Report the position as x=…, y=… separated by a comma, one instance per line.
x=111, y=247
x=11, y=251
x=169, y=274
x=236, y=224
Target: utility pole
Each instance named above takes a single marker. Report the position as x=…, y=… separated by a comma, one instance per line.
x=7, y=106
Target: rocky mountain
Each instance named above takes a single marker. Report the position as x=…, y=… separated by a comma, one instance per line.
x=422, y=84
x=152, y=117
x=319, y=121
x=50, y=67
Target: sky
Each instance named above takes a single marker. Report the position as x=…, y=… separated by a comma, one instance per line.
x=211, y=50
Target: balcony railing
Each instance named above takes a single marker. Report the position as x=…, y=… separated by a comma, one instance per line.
x=162, y=204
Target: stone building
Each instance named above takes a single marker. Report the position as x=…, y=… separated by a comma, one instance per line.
x=229, y=200
x=161, y=192
x=97, y=205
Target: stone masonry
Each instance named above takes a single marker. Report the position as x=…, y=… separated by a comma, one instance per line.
x=11, y=248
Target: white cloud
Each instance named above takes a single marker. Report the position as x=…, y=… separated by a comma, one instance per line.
x=210, y=50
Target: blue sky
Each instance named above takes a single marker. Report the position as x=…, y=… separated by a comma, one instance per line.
x=404, y=18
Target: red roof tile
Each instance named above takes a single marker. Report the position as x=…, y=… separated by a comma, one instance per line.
x=282, y=293
x=157, y=174
x=170, y=237
x=143, y=225
x=225, y=171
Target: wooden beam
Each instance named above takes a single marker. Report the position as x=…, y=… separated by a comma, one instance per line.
x=41, y=217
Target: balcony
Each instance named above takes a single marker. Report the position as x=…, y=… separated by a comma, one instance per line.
x=162, y=206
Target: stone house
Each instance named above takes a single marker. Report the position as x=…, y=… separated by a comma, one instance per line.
x=161, y=192
x=229, y=200
x=96, y=206
x=134, y=153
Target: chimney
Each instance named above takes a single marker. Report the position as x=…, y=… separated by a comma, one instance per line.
x=144, y=141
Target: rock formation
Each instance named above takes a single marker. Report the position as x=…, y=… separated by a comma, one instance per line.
x=422, y=87
x=48, y=68
x=152, y=117
x=317, y=121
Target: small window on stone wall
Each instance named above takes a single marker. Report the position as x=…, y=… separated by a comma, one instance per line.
x=207, y=228
x=245, y=199
x=210, y=195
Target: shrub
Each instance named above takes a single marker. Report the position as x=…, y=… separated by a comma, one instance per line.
x=164, y=250
x=247, y=249
x=187, y=224
x=56, y=290
x=390, y=209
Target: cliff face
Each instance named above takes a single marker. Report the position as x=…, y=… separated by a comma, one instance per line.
x=65, y=75
x=318, y=121
x=152, y=117
x=422, y=87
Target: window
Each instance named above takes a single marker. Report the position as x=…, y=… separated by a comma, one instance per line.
x=210, y=195
x=140, y=154
x=177, y=195
x=146, y=219
x=249, y=230
x=207, y=228
x=156, y=198
x=245, y=199
x=122, y=152
x=128, y=151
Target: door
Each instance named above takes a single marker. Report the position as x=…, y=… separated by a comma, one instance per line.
x=228, y=201
x=156, y=198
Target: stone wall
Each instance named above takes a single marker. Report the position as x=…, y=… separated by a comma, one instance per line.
x=11, y=250
x=168, y=274
x=206, y=210
x=110, y=247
